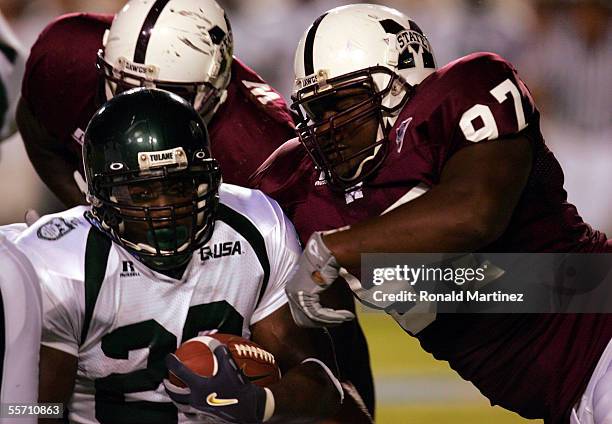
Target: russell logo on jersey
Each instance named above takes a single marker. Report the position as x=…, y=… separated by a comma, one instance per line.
x=128, y=270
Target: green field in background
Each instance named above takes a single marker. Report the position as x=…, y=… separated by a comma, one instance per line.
x=403, y=373
x=447, y=415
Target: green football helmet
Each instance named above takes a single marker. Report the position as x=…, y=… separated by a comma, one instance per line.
x=151, y=181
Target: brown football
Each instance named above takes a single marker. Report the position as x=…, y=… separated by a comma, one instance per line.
x=257, y=364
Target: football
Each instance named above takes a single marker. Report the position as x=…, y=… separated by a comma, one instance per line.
x=257, y=364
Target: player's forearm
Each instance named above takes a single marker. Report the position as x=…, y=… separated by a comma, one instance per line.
x=56, y=378
x=433, y=223
x=470, y=207
x=59, y=178
x=305, y=392
x=51, y=161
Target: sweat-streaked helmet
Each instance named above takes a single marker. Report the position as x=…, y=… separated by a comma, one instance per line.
x=360, y=45
x=183, y=46
x=151, y=181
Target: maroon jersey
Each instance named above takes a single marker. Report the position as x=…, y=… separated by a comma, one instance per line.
x=62, y=89
x=536, y=365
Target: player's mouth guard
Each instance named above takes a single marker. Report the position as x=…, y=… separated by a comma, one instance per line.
x=167, y=238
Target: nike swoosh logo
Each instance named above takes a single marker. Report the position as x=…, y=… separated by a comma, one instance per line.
x=213, y=400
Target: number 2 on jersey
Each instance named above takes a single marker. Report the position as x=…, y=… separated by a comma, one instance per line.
x=111, y=405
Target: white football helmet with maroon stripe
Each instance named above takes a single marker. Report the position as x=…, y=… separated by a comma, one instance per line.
x=183, y=46
x=360, y=45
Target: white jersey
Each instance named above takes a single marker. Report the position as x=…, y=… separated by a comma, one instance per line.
x=121, y=319
x=20, y=319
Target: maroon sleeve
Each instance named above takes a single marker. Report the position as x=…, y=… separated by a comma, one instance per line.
x=60, y=79
x=483, y=99
x=252, y=123
x=279, y=170
x=285, y=175
x=269, y=101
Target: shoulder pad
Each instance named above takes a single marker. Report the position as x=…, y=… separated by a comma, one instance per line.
x=63, y=58
x=252, y=204
x=286, y=175
x=282, y=166
x=57, y=242
x=479, y=67
x=260, y=93
x=477, y=97
x=12, y=231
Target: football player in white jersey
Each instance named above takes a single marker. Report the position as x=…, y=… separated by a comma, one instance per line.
x=165, y=253
x=20, y=321
x=20, y=304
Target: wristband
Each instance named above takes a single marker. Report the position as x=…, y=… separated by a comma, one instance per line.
x=269, y=409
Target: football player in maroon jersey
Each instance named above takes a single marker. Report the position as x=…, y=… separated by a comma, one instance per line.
x=395, y=155
x=80, y=60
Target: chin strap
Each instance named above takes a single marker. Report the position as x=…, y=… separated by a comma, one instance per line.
x=222, y=98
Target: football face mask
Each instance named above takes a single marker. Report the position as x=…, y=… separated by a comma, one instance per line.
x=161, y=219
x=341, y=124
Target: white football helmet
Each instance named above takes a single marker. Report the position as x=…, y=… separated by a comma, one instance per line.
x=183, y=46
x=366, y=46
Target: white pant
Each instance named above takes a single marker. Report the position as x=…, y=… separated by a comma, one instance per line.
x=595, y=405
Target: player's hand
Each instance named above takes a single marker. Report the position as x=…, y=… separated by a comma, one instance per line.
x=315, y=271
x=227, y=395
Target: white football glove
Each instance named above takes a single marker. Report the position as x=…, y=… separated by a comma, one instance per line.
x=315, y=271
